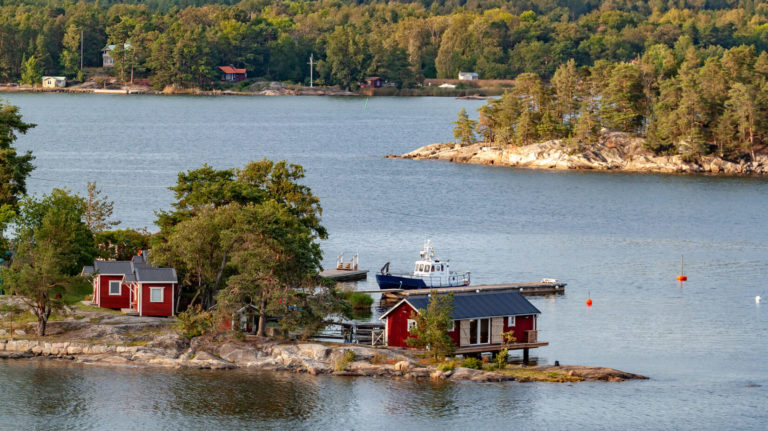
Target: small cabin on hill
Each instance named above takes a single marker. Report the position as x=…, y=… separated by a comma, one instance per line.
x=134, y=286
x=233, y=74
x=479, y=321
x=468, y=76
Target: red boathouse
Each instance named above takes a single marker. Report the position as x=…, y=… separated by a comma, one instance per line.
x=479, y=320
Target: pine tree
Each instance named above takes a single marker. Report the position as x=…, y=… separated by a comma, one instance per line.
x=465, y=129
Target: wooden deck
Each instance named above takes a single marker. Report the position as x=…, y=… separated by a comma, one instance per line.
x=528, y=289
x=345, y=274
x=496, y=347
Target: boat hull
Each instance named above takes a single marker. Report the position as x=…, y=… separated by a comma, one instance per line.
x=399, y=282
x=388, y=281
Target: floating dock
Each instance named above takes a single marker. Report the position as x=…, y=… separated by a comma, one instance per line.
x=528, y=289
x=345, y=274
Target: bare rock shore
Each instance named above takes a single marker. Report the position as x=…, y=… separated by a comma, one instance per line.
x=614, y=151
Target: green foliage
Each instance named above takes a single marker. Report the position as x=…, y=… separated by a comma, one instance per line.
x=446, y=366
x=181, y=43
x=344, y=360
x=501, y=358
x=32, y=71
x=472, y=363
x=194, y=322
x=358, y=300
x=51, y=245
x=98, y=210
x=14, y=169
x=432, y=325
x=121, y=244
x=465, y=129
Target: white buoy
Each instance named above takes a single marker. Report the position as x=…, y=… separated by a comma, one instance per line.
x=757, y=299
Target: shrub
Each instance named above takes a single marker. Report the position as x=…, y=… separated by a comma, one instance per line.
x=378, y=358
x=446, y=366
x=343, y=362
x=357, y=300
x=194, y=322
x=501, y=358
x=473, y=363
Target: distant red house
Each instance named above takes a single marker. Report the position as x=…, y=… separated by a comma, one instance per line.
x=233, y=74
x=134, y=285
x=479, y=319
x=372, y=82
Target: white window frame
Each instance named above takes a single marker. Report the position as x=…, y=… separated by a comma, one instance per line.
x=452, y=327
x=510, y=320
x=411, y=324
x=119, y=288
x=156, y=289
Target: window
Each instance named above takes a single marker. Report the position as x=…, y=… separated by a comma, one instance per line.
x=452, y=327
x=479, y=331
x=510, y=320
x=411, y=324
x=114, y=287
x=155, y=294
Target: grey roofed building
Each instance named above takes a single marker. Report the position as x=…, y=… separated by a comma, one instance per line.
x=477, y=305
x=112, y=267
x=87, y=270
x=146, y=273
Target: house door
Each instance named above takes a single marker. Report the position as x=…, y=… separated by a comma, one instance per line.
x=479, y=331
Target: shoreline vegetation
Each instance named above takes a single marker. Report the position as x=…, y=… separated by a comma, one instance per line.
x=87, y=336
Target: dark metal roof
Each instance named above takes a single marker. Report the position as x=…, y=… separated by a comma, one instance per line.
x=487, y=304
x=112, y=267
x=147, y=273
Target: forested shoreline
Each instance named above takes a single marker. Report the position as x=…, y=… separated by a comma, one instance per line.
x=181, y=43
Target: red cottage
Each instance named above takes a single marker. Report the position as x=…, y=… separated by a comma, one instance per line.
x=153, y=290
x=233, y=74
x=134, y=285
x=110, y=287
x=479, y=319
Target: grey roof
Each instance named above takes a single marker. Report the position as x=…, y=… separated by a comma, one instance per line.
x=148, y=273
x=112, y=267
x=483, y=304
x=133, y=270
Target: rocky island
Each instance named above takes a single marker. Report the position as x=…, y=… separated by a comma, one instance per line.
x=614, y=151
x=112, y=339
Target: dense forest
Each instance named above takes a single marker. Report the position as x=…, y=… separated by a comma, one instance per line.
x=690, y=75
x=181, y=42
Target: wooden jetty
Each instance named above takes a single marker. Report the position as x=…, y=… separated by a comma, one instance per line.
x=345, y=274
x=345, y=271
x=528, y=289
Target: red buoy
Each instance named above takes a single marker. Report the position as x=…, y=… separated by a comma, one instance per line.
x=589, y=302
x=682, y=278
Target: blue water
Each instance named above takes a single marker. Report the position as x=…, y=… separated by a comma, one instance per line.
x=616, y=238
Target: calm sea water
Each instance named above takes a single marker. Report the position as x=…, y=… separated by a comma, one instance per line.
x=616, y=238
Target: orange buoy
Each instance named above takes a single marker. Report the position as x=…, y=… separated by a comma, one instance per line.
x=589, y=302
x=682, y=278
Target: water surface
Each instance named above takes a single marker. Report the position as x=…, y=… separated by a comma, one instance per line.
x=614, y=237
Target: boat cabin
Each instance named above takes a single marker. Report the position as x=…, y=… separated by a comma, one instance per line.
x=480, y=321
x=436, y=273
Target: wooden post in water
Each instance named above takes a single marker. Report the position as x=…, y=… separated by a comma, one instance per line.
x=525, y=356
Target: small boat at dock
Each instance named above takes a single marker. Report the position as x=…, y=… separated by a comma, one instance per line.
x=429, y=272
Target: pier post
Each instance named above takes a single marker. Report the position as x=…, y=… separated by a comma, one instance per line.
x=525, y=356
